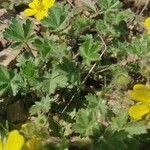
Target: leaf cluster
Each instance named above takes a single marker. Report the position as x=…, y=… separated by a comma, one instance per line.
x=81, y=57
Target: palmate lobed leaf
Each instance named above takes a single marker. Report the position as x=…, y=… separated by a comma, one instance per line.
x=57, y=16
x=120, y=120
x=42, y=106
x=8, y=81
x=27, y=27
x=4, y=74
x=19, y=33
x=120, y=123
x=51, y=49
x=136, y=128
x=57, y=79
x=46, y=47
x=89, y=49
x=5, y=79
x=109, y=5
x=96, y=103
x=82, y=22
x=29, y=70
x=86, y=123
x=90, y=4
x=71, y=70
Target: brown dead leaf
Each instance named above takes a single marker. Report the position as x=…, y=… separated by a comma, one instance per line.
x=7, y=56
x=79, y=3
x=130, y=58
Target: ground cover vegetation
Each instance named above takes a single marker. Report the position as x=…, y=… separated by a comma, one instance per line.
x=82, y=75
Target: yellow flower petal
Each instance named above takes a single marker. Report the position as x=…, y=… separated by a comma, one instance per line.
x=15, y=141
x=41, y=14
x=1, y=145
x=139, y=87
x=48, y=3
x=138, y=111
x=147, y=22
x=34, y=4
x=140, y=93
x=30, y=12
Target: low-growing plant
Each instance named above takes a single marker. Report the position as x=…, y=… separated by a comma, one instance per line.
x=75, y=72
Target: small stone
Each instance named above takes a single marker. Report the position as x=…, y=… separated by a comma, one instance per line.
x=16, y=112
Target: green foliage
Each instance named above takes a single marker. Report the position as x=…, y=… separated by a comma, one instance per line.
x=97, y=104
x=57, y=18
x=81, y=24
x=119, y=121
x=42, y=106
x=90, y=4
x=71, y=71
x=86, y=123
x=57, y=79
x=140, y=46
x=136, y=128
x=74, y=71
x=50, y=49
x=109, y=5
x=133, y=128
x=114, y=23
x=8, y=81
x=29, y=70
x=20, y=33
x=89, y=49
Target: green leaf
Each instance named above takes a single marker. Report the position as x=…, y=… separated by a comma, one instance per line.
x=27, y=27
x=109, y=5
x=86, y=123
x=89, y=49
x=140, y=45
x=114, y=23
x=19, y=33
x=120, y=120
x=136, y=128
x=42, y=106
x=57, y=17
x=17, y=83
x=4, y=74
x=15, y=31
x=71, y=70
x=114, y=142
x=46, y=47
x=50, y=49
x=57, y=79
x=7, y=81
x=90, y=4
x=96, y=103
x=80, y=24
x=29, y=70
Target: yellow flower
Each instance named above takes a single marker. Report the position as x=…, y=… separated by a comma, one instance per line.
x=147, y=24
x=140, y=93
x=39, y=8
x=138, y=111
x=15, y=141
